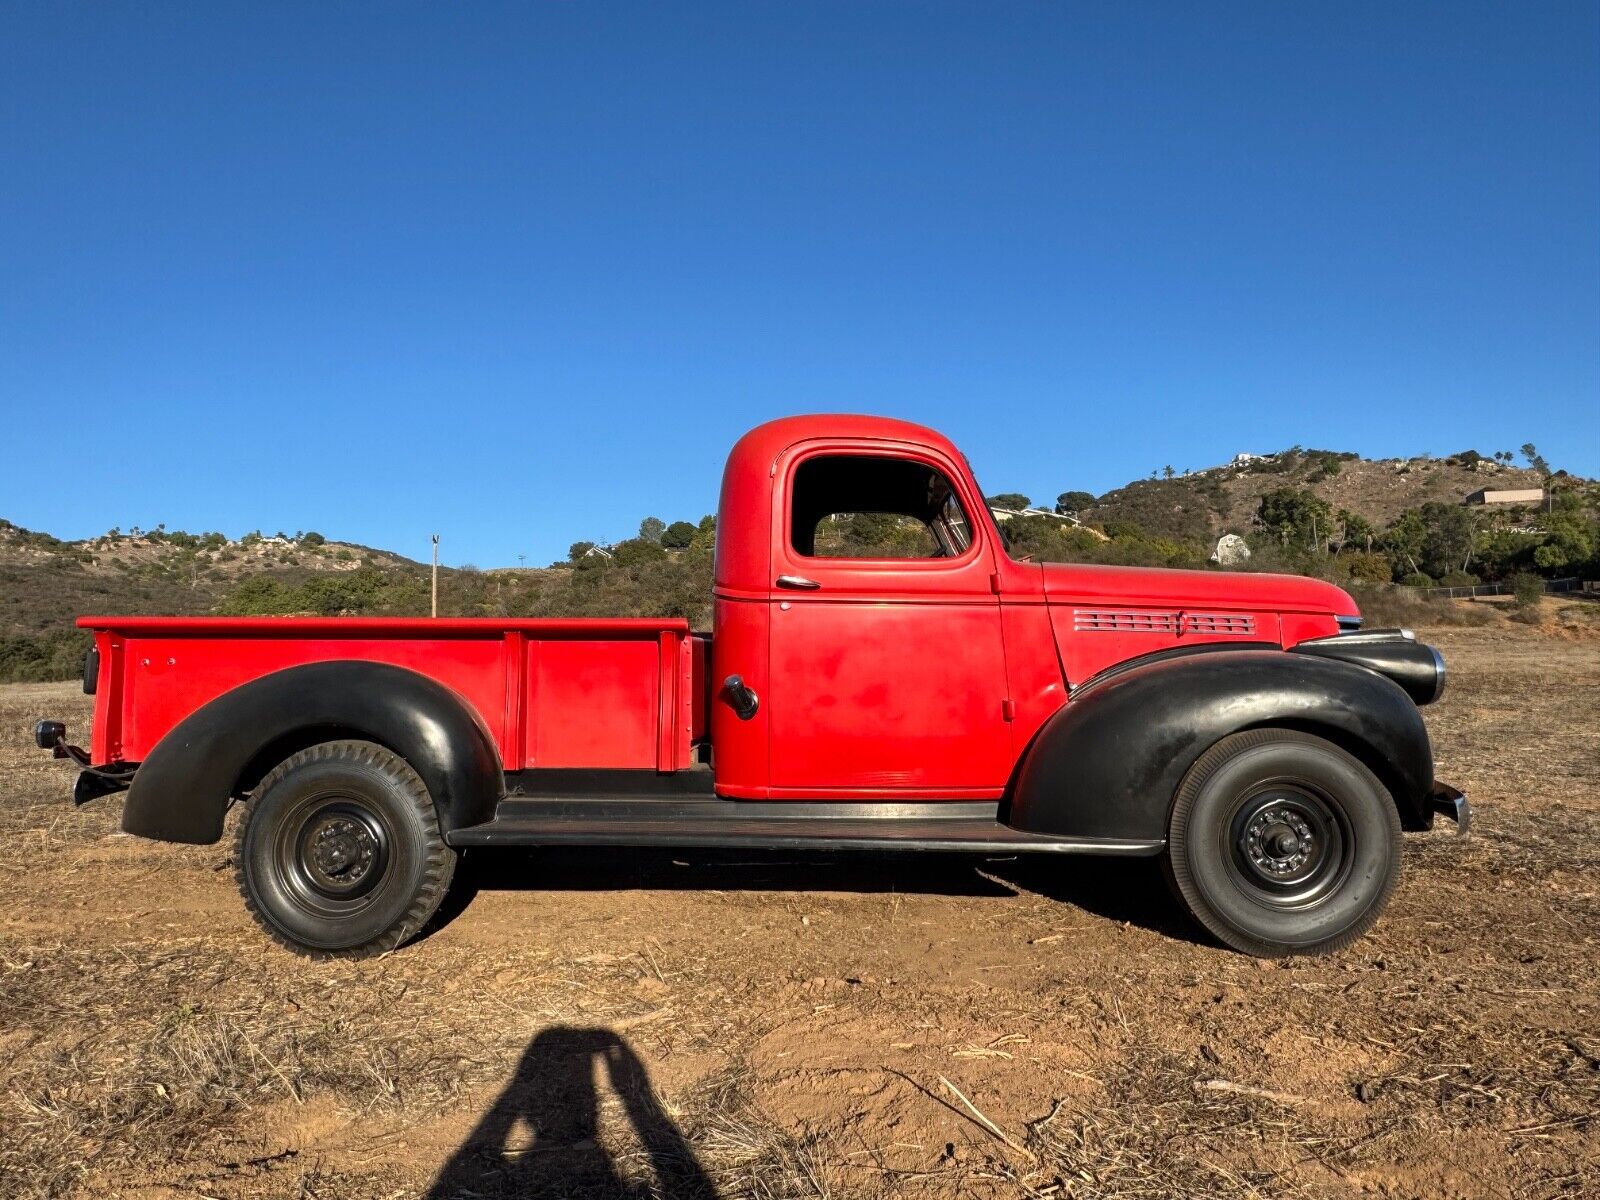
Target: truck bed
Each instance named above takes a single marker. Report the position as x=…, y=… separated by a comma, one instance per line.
x=553, y=693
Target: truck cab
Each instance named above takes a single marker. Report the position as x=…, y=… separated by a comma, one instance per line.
x=935, y=695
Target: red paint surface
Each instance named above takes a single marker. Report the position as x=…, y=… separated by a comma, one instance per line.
x=893, y=679
x=602, y=693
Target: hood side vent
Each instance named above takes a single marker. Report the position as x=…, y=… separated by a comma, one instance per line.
x=1223, y=623
x=1109, y=620
x=1117, y=620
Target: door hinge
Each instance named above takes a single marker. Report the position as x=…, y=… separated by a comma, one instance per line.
x=1008, y=709
x=994, y=582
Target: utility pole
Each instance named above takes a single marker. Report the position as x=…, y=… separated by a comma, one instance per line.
x=436, y=574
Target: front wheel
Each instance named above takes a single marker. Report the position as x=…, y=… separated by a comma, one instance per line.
x=339, y=852
x=1282, y=843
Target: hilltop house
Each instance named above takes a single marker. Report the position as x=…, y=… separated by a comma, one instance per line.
x=1506, y=496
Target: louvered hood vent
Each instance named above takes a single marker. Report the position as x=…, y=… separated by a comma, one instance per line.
x=1132, y=620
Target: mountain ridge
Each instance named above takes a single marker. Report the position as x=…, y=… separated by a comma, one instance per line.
x=1321, y=512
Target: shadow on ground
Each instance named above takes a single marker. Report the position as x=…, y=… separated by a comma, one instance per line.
x=1118, y=889
x=541, y=1136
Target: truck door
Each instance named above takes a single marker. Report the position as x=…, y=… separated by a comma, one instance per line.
x=887, y=666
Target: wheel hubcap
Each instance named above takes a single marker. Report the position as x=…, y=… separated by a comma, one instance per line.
x=1278, y=842
x=341, y=851
x=1288, y=846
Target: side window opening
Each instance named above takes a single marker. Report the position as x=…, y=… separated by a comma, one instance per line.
x=852, y=506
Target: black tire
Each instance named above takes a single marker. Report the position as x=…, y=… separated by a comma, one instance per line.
x=1281, y=843
x=339, y=853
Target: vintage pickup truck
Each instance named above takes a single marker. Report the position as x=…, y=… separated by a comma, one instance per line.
x=1241, y=726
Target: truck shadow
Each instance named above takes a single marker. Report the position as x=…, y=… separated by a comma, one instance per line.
x=1125, y=890
x=540, y=1137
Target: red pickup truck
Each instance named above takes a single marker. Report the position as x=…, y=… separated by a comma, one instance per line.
x=1241, y=726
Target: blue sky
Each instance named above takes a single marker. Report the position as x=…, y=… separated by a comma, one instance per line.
x=521, y=273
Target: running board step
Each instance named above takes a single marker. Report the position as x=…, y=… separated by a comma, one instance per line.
x=772, y=825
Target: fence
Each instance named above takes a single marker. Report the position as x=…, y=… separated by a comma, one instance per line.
x=1504, y=589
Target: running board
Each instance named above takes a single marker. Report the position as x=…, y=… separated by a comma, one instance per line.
x=956, y=826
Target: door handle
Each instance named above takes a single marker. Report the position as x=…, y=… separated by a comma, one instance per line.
x=798, y=582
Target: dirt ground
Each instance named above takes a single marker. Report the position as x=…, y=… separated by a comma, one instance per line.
x=605, y=1024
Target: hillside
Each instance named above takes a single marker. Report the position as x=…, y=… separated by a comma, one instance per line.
x=48, y=582
x=1205, y=504
x=1332, y=514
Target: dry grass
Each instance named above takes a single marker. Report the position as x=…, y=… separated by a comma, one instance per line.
x=791, y=1022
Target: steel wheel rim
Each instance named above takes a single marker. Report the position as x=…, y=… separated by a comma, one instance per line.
x=333, y=852
x=1288, y=845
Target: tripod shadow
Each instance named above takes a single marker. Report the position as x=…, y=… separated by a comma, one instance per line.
x=540, y=1137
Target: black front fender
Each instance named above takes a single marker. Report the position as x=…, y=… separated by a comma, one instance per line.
x=1109, y=763
x=182, y=789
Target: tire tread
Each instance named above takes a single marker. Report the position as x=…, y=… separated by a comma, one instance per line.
x=440, y=859
x=1180, y=878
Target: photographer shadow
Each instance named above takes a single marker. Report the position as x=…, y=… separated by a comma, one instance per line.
x=540, y=1138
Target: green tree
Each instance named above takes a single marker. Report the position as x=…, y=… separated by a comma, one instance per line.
x=678, y=536
x=1403, y=540
x=1012, y=500
x=1074, y=502
x=651, y=529
x=1296, y=517
x=1434, y=539
x=1500, y=553
x=579, y=551
x=1356, y=529
x=1570, y=533
x=1448, y=543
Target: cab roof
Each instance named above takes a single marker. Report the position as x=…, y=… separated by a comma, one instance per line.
x=744, y=510
x=765, y=442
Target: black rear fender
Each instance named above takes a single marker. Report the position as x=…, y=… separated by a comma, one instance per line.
x=1109, y=763
x=222, y=749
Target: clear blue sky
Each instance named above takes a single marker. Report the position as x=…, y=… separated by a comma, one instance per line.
x=521, y=273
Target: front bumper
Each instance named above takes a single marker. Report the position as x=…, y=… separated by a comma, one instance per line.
x=1447, y=800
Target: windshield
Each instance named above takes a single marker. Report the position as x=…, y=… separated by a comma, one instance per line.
x=1000, y=534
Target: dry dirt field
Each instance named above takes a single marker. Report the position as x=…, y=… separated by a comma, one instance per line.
x=615, y=1025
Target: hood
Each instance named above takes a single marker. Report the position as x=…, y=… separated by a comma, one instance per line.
x=1083, y=583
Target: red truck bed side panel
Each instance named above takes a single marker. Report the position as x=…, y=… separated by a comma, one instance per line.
x=553, y=693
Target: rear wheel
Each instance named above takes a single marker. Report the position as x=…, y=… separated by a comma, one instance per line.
x=1282, y=843
x=339, y=852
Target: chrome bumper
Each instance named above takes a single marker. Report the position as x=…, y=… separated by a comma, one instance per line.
x=1447, y=800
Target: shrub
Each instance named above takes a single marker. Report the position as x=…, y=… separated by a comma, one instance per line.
x=1367, y=568
x=1526, y=592
x=1457, y=579
x=636, y=550
x=1417, y=579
